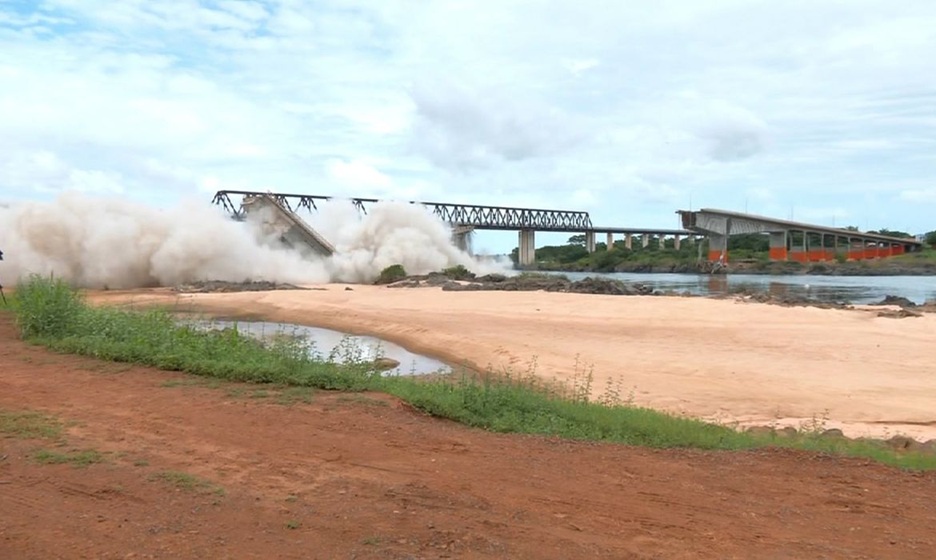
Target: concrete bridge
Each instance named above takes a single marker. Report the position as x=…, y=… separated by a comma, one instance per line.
x=794, y=241
x=465, y=218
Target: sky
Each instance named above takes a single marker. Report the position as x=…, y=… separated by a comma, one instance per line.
x=818, y=110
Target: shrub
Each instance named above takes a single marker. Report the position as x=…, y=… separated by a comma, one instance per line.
x=391, y=274
x=458, y=272
x=47, y=308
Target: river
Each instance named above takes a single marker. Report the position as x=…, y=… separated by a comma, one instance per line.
x=853, y=289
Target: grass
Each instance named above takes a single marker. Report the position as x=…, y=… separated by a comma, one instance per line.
x=29, y=425
x=187, y=482
x=82, y=458
x=49, y=312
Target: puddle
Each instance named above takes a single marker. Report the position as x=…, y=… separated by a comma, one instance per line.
x=337, y=345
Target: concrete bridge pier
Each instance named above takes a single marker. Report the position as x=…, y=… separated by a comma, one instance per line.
x=645, y=240
x=590, y=241
x=527, y=247
x=628, y=241
x=461, y=240
x=610, y=241
x=676, y=242
x=778, y=245
x=718, y=247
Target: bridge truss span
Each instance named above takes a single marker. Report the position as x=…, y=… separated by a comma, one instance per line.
x=475, y=216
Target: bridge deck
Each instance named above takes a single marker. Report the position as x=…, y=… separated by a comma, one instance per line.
x=479, y=217
x=741, y=223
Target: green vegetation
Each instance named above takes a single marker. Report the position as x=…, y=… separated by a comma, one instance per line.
x=753, y=249
x=930, y=239
x=575, y=256
x=458, y=272
x=49, y=312
x=82, y=458
x=29, y=425
x=391, y=274
x=497, y=402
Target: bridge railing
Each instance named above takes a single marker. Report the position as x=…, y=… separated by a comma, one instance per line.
x=480, y=217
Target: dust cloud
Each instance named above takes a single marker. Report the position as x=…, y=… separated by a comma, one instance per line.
x=114, y=243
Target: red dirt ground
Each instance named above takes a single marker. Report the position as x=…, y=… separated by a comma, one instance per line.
x=364, y=476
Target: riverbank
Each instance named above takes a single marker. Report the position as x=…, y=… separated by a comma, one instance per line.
x=916, y=264
x=728, y=360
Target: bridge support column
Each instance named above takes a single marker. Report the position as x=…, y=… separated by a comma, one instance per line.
x=527, y=247
x=645, y=240
x=778, y=245
x=718, y=247
x=676, y=242
x=610, y=242
x=628, y=241
x=590, y=241
x=460, y=240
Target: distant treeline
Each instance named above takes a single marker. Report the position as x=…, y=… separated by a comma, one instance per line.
x=575, y=256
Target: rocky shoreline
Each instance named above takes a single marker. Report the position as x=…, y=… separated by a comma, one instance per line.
x=896, y=307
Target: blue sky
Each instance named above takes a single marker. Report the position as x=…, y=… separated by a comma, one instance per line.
x=822, y=110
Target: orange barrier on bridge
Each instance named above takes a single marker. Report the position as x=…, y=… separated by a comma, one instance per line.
x=818, y=255
x=799, y=256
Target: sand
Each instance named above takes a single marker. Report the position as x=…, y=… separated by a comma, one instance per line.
x=725, y=360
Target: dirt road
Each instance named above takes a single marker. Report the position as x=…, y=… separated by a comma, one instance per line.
x=193, y=469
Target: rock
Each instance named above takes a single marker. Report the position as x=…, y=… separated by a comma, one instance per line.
x=408, y=283
x=902, y=443
x=228, y=287
x=787, y=432
x=928, y=447
x=437, y=279
x=832, y=433
x=898, y=313
x=492, y=278
x=348, y=289
x=384, y=363
x=761, y=431
x=899, y=301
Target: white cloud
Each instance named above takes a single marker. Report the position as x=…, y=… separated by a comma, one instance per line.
x=358, y=174
x=619, y=109
x=926, y=196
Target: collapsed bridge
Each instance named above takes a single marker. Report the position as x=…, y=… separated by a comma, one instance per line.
x=465, y=218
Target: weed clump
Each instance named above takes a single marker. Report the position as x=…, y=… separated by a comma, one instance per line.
x=391, y=274
x=47, y=307
x=458, y=272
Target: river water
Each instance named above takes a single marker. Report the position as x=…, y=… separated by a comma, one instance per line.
x=326, y=344
x=851, y=289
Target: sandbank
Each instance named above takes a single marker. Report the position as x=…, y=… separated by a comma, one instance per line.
x=725, y=360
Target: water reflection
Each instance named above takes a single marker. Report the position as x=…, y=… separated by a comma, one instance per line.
x=338, y=346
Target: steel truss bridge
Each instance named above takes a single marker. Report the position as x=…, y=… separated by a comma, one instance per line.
x=463, y=215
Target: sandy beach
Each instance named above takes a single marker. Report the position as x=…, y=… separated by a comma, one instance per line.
x=724, y=360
